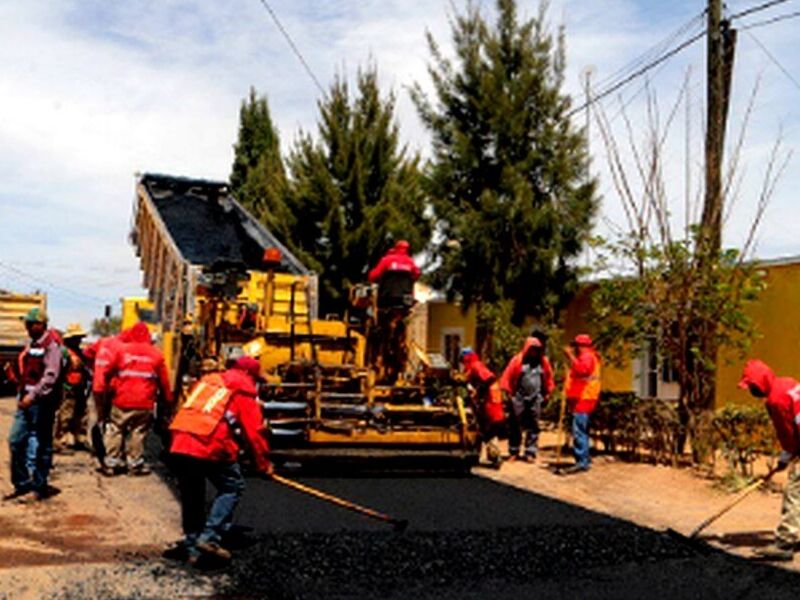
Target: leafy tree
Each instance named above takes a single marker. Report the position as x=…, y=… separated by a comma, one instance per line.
x=509, y=177
x=355, y=187
x=663, y=289
x=258, y=177
x=106, y=326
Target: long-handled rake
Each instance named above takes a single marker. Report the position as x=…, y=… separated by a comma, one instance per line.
x=399, y=525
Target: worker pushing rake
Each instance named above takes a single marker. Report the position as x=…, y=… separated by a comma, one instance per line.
x=219, y=418
x=782, y=400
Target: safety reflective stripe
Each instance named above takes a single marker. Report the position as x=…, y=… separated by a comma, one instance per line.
x=797, y=419
x=29, y=388
x=137, y=374
x=218, y=397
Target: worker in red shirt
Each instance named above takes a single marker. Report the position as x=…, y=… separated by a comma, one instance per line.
x=220, y=413
x=528, y=382
x=141, y=376
x=582, y=389
x=396, y=260
x=487, y=401
x=782, y=399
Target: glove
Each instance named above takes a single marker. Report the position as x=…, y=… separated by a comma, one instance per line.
x=783, y=460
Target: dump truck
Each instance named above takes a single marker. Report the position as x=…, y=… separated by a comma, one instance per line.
x=221, y=285
x=13, y=335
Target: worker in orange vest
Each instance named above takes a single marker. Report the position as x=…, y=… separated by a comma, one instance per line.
x=141, y=377
x=582, y=389
x=220, y=413
x=71, y=419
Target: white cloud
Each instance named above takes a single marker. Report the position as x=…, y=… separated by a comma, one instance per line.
x=93, y=91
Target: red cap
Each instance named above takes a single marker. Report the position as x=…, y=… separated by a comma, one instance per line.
x=249, y=365
x=582, y=339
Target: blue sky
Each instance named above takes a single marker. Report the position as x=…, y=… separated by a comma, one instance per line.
x=94, y=91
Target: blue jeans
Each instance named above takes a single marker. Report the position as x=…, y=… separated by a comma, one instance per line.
x=31, y=444
x=580, y=440
x=192, y=474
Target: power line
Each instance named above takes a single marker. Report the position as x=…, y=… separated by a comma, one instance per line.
x=296, y=50
x=755, y=9
x=637, y=73
x=652, y=52
x=769, y=21
x=21, y=273
x=775, y=61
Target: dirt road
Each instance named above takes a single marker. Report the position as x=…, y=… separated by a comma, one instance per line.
x=469, y=538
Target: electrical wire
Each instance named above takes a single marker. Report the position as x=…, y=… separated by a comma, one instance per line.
x=755, y=9
x=50, y=284
x=293, y=46
x=610, y=90
x=769, y=21
x=652, y=52
x=775, y=61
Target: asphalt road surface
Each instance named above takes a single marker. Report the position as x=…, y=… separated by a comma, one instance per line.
x=468, y=538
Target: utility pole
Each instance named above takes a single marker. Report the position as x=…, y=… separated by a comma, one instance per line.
x=719, y=68
x=715, y=130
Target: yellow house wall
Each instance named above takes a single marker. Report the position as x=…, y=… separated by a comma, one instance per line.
x=777, y=319
x=443, y=315
x=615, y=378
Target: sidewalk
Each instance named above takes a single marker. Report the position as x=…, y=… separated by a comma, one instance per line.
x=94, y=525
x=659, y=497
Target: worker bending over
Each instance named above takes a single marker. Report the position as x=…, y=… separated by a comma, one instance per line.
x=582, y=389
x=782, y=399
x=487, y=402
x=141, y=376
x=205, y=446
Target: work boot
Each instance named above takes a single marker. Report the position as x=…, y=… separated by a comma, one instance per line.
x=572, y=470
x=140, y=470
x=215, y=549
x=178, y=551
x=18, y=493
x=777, y=552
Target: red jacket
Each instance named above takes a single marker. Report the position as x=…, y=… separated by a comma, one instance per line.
x=782, y=402
x=510, y=377
x=140, y=371
x=396, y=259
x=485, y=382
x=582, y=386
x=221, y=445
x=100, y=354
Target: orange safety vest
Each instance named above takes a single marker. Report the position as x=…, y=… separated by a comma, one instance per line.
x=204, y=408
x=583, y=391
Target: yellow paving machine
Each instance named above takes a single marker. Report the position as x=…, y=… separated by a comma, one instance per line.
x=221, y=285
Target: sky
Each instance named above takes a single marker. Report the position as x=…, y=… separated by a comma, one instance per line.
x=93, y=92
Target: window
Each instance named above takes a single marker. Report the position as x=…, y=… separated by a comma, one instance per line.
x=451, y=344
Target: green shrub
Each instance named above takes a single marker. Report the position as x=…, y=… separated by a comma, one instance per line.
x=739, y=433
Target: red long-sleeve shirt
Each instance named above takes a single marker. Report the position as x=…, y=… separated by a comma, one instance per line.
x=140, y=371
x=782, y=402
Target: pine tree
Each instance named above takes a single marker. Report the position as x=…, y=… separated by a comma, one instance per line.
x=356, y=189
x=258, y=178
x=509, y=176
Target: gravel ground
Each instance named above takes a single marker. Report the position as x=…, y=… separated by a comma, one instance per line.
x=469, y=537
